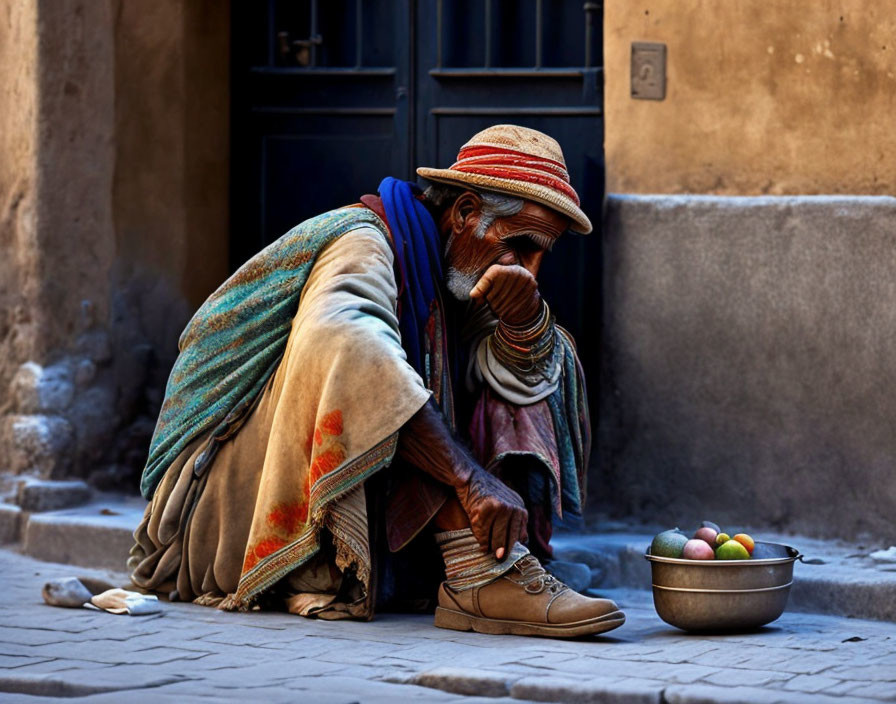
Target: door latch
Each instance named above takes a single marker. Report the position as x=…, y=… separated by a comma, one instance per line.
x=297, y=49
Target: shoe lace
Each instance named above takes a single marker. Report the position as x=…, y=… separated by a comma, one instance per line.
x=535, y=579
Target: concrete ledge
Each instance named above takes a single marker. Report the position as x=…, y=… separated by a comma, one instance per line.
x=596, y=690
x=747, y=362
x=848, y=583
x=711, y=694
x=464, y=681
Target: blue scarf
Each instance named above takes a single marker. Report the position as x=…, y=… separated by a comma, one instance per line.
x=418, y=253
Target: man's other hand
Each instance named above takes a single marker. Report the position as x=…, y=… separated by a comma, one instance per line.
x=497, y=514
x=511, y=291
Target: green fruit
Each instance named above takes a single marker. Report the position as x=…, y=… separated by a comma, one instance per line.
x=722, y=538
x=669, y=543
x=732, y=550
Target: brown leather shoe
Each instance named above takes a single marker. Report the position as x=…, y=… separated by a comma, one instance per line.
x=526, y=601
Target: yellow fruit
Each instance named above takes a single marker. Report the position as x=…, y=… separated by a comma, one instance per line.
x=722, y=538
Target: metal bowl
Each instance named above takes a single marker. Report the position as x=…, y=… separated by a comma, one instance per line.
x=723, y=595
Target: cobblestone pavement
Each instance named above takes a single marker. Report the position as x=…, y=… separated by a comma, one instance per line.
x=196, y=654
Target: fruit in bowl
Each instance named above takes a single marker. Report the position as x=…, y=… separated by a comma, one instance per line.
x=729, y=591
x=707, y=534
x=732, y=550
x=710, y=524
x=697, y=549
x=709, y=542
x=746, y=541
x=669, y=543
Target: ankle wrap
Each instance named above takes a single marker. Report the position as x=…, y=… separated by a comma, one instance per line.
x=467, y=564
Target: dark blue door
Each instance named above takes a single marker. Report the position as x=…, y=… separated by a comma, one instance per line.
x=330, y=96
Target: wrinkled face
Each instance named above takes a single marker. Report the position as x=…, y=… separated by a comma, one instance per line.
x=521, y=239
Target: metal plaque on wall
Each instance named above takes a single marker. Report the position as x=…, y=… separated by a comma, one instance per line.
x=648, y=70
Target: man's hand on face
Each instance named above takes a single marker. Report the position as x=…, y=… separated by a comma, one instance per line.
x=511, y=291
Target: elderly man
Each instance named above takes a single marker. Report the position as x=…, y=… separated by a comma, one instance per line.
x=307, y=452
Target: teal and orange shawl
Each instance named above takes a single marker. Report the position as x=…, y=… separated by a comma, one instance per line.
x=234, y=342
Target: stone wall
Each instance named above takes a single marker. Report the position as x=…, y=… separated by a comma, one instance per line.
x=115, y=214
x=748, y=363
x=763, y=96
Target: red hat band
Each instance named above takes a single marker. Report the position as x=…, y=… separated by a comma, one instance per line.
x=515, y=166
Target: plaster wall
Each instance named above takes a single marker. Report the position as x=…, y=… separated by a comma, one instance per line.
x=171, y=124
x=763, y=97
x=169, y=195
x=113, y=189
x=75, y=166
x=61, y=251
x=748, y=363
x=18, y=144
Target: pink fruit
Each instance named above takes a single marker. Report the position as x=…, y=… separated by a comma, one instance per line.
x=707, y=534
x=697, y=549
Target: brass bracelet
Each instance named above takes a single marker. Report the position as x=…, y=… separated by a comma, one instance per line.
x=529, y=332
x=528, y=336
x=522, y=365
x=525, y=351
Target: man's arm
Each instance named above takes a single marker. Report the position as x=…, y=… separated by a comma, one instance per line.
x=534, y=403
x=497, y=514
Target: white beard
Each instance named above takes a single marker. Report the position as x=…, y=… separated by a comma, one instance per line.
x=460, y=283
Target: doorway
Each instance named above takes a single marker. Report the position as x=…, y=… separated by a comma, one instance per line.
x=330, y=97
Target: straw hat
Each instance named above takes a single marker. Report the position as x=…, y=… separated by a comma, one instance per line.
x=517, y=161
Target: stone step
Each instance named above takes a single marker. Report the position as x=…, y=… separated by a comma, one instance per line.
x=839, y=578
x=834, y=578
x=98, y=534
x=51, y=495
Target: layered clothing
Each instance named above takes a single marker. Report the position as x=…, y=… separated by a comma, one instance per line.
x=293, y=382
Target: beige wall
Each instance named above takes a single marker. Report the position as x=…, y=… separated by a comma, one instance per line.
x=763, y=96
x=171, y=121
x=113, y=219
x=75, y=167
x=170, y=195
x=113, y=164
x=18, y=53
x=56, y=164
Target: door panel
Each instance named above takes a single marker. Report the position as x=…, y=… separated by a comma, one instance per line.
x=330, y=97
x=291, y=160
x=319, y=113
x=485, y=62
